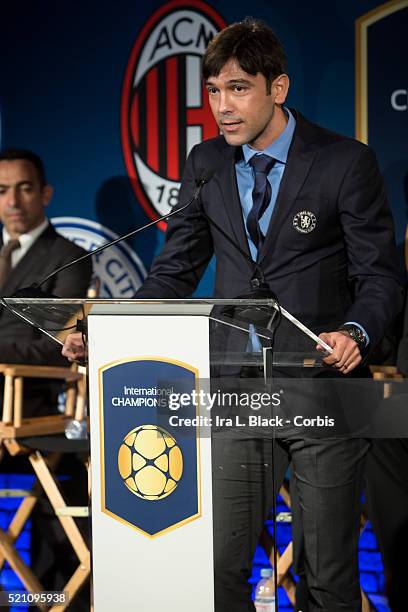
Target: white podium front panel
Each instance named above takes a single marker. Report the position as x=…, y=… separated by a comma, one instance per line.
x=152, y=538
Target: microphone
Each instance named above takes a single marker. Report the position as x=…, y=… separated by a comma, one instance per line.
x=259, y=286
x=259, y=289
x=204, y=175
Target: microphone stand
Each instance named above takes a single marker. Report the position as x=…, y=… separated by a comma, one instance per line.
x=34, y=290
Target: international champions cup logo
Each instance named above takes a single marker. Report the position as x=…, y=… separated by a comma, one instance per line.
x=150, y=462
x=165, y=109
x=150, y=475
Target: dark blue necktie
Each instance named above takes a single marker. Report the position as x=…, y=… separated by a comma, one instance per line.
x=261, y=195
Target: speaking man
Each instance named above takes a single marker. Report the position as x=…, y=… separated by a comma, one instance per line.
x=309, y=207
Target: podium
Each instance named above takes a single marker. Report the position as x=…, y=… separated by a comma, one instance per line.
x=151, y=367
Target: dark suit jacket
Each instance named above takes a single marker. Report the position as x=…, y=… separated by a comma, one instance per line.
x=19, y=341
x=402, y=359
x=346, y=269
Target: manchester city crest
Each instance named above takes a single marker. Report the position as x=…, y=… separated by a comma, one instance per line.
x=304, y=221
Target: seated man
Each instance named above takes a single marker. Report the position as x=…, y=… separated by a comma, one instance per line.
x=30, y=248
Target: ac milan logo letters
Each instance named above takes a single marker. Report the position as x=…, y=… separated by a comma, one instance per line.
x=165, y=110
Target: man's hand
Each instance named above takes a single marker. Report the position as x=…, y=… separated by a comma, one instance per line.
x=74, y=348
x=346, y=354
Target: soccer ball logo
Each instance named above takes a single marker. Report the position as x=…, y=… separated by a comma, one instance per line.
x=150, y=462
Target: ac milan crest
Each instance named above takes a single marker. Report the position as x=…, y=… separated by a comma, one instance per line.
x=165, y=109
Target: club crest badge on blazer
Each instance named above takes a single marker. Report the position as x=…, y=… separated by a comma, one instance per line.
x=304, y=221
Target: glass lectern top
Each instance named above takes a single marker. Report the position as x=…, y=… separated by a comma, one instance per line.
x=57, y=317
x=239, y=328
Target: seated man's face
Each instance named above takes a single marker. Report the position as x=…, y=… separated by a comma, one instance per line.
x=22, y=197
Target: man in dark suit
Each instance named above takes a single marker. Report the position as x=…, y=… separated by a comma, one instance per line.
x=30, y=248
x=309, y=207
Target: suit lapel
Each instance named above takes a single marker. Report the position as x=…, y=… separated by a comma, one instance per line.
x=229, y=189
x=301, y=156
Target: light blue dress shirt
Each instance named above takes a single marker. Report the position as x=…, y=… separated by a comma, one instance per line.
x=245, y=176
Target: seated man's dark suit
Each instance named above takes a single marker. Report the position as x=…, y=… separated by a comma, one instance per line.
x=345, y=270
x=19, y=341
x=22, y=343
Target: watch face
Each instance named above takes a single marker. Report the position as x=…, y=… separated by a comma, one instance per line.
x=357, y=335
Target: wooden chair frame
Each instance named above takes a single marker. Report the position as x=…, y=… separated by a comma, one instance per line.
x=13, y=427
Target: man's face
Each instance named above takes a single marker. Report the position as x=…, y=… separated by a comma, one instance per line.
x=245, y=112
x=22, y=198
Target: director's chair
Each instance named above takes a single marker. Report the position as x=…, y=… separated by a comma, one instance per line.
x=31, y=437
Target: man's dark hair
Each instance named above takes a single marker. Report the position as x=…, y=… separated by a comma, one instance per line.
x=14, y=154
x=253, y=44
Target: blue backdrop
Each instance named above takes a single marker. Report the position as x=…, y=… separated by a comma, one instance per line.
x=63, y=67
x=62, y=71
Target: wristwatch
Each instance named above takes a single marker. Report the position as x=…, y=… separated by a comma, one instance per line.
x=355, y=334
